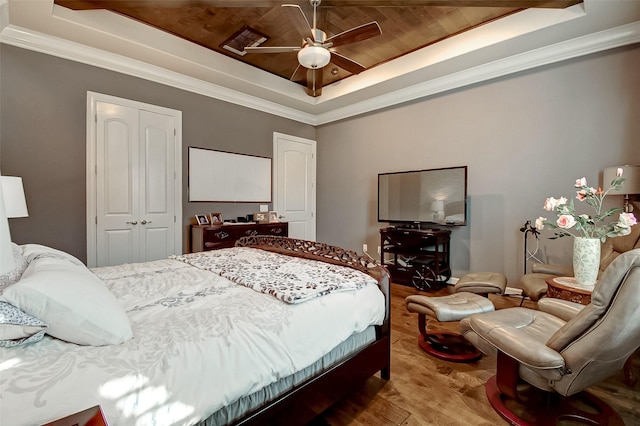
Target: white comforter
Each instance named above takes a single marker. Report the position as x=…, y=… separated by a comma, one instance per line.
x=200, y=342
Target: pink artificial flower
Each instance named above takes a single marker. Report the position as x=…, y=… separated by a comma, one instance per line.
x=565, y=221
x=627, y=219
x=551, y=203
x=619, y=172
x=581, y=182
x=540, y=223
x=581, y=195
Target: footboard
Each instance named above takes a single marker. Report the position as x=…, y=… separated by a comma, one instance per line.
x=310, y=398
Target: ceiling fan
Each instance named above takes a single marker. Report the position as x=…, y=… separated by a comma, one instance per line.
x=317, y=50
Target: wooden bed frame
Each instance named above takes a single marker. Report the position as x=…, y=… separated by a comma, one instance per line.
x=307, y=400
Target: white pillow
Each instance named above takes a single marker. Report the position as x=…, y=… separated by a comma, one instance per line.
x=74, y=303
x=14, y=275
x=18, y=328
x=34, y=251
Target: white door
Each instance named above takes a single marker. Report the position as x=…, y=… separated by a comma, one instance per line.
x=294, y=184
x=133, y=190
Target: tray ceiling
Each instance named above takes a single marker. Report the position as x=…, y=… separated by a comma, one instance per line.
x=426, y=46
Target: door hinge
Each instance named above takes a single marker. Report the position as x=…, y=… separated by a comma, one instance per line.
x=174, y=219
x=96, y=220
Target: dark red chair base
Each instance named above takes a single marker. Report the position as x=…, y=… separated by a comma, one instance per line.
x=448, y=346
x=534, y=406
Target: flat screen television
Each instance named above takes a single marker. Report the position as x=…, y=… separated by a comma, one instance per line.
x=436, y=196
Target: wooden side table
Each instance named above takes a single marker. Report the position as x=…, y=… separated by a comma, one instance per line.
x=566, y=288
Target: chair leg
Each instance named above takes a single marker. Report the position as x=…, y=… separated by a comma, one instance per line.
x=522, y=404
x=507, y=375
x=445, y=345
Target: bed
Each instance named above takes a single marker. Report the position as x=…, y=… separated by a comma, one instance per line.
x=207, y=338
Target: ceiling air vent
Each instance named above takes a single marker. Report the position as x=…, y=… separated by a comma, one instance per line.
x=246, y=37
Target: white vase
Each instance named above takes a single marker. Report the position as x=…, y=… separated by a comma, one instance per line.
x=586, y=260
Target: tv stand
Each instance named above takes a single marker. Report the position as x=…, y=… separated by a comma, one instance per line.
x=418, y=257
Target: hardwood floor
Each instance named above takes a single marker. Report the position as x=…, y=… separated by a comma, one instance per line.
x=426, y=391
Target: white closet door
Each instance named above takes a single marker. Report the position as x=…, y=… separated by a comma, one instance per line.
x=157, y=208
x=118, y=183
x=135, y=151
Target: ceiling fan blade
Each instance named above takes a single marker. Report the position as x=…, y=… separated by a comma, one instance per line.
x=363, y=32
x=299, y=21
x=299, y=74
x=346, y=64
x=274, y=49
x=314, y=82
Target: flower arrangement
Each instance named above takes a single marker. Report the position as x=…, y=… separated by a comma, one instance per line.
x=583, y=225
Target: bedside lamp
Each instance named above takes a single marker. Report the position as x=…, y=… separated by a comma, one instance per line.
x=12, y=204
x=631, y=184
x=437, y=207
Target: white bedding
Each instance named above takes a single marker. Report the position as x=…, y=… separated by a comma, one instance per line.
x=200, y=342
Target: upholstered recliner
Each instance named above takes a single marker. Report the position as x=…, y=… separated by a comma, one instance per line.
x=562, y=351
x=534, y=285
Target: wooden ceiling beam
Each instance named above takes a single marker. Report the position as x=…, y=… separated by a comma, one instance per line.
x=114, y=4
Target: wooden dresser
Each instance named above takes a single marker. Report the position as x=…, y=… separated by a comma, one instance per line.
x=211, y=237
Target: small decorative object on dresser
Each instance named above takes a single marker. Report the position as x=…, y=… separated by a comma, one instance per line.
x=273, y=217
x=201, y=219
x=261, y=217
x=216, y=217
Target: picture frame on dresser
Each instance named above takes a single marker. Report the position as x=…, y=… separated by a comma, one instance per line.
x=202, y=219
x=261, y=217
x=273, y=217
x=216, y=218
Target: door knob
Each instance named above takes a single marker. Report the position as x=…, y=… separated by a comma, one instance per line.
x=144, y=222
x=133, y=222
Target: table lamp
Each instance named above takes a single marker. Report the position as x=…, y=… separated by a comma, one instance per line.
x=12, y=204
x=631, y=184
x=437, y=207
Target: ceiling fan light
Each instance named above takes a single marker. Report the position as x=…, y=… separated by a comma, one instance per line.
x=314, y=57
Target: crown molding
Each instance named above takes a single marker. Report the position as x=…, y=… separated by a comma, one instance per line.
x=54, y=46
x=608, y=39
x=580, y=46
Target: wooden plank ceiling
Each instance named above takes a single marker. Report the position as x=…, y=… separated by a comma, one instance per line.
x=406, y=25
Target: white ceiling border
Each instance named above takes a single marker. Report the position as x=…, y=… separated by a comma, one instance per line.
x=592, y=43
x=33, y=40
x=608, y=39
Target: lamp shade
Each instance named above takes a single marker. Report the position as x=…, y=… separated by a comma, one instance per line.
x=7, y=263
x=630, y=174
x=15, y=204
x=313, y=57
x=437, y=206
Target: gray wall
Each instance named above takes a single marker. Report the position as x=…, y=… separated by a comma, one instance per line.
x=43, y=139
x=524, y=138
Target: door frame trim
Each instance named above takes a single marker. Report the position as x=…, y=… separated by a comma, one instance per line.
x=91, y=161
x=313, y=143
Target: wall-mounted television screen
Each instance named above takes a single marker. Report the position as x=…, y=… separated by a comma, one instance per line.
x=424, y=196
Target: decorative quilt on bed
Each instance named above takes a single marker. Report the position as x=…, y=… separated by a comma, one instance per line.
x=199, y=343
x=290, y=279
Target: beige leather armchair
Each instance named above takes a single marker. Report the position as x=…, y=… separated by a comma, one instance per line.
x=534, y=285
x=561, y=349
